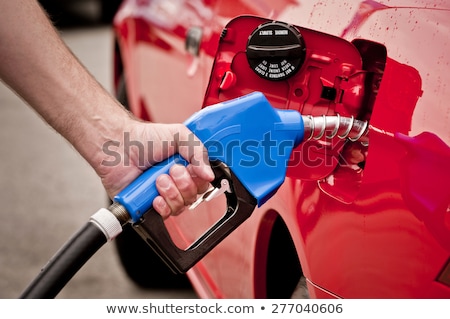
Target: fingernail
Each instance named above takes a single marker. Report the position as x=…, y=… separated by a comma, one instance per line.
x=164, y=181
x=177, y=171
x=161, y=207
x=160, y=202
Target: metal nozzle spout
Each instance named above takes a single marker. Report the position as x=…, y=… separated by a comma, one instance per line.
x=317, y=127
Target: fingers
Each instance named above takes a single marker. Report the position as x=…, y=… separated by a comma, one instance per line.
x=192, y=149
x=181, y=186
x=202, y=185
x=177, y=190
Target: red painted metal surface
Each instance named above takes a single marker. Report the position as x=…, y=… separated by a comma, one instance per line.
x=367, y=222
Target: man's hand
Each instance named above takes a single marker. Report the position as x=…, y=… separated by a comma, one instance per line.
x=144, y=144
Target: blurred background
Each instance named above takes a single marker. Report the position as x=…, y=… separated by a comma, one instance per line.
x=47, y=190
x=73, y=13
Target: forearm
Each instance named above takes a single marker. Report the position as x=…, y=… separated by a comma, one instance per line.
x=39, y=67
x=42, y=70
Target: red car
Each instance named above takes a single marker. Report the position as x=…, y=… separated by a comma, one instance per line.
x=352, y=219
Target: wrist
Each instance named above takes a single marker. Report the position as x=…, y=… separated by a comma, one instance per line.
x=118, y=155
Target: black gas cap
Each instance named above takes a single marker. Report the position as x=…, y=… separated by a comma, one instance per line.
x=275, y=50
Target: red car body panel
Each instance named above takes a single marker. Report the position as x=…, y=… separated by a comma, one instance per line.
x=378, y=232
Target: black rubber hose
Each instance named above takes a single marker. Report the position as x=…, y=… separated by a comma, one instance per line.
x=66, y=262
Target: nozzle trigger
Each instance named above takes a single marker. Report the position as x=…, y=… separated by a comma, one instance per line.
x=212, y=193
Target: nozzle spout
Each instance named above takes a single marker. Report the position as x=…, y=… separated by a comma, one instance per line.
x=317, y=127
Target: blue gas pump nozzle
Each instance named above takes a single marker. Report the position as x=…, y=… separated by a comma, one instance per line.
x=253, y=139
x=249, y=144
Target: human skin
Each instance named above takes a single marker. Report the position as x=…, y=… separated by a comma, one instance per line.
x=39, y=67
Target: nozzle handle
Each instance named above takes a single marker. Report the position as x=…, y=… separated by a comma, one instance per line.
x=240, y=205
x=137, y=197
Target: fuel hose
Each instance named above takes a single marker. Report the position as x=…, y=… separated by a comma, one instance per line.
x=102, y=227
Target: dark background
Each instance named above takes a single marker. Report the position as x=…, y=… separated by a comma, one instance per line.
x=73, y=13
